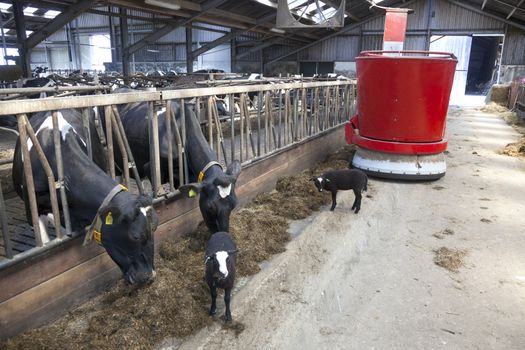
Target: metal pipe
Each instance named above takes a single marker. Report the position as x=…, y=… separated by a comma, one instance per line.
x=181, y=148
x=122, y=148
x=210, y=122
x=5, y=229
x=28, y=175
x=266, y=120
x=280, y=117
x=132, y=164
x=50, y=178
x=167, y=120
x=109, y=142
x=60, y=183
x=259, y=108
x=184, y=139
x=232, y=127
x=154, y=140
x=87, y=131
x=242, y=116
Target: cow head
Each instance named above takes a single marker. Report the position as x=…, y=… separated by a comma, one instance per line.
x=127, y=235
x=217, y=197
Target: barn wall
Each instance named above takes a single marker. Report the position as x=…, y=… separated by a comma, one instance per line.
x=443, y=19
x=44, y=289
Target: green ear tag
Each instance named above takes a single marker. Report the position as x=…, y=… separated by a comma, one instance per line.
x=192, y=193
x=109, y=219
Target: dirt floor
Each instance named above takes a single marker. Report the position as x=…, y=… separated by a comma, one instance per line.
x=423, y=265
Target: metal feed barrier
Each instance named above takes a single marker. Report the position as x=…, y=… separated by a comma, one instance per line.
x=281, y=115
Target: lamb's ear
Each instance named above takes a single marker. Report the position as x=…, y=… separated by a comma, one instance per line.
x=191, y=190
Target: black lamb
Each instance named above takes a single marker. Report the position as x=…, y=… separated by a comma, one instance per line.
x=347, y=179
x=220, y=269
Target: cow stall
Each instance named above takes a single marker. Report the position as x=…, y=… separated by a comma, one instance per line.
x=273, y=129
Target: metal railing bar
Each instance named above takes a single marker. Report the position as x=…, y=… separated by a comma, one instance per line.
x=132, y=163
x=184, y=140
x=60, y=183
x=259, y=110
x=28, y=174
x=232, y=127
x=123, y=152
x=155, y=149
x=180, y=146
x=30, y=90
x=87, y=131
x=50, y=179
x=109, y=142
x=167, y=120
x=56, y=103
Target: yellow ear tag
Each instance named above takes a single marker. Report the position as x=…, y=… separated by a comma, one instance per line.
x=200, y=177
x=192, y=193
x=97, y=236
x=109, y=219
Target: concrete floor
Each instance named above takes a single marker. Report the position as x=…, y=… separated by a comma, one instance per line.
x=368, y=281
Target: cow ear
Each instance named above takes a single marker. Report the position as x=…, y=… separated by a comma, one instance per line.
x=191, y=190
x=313, y=178
x=144, y=201
x=110, y=215
x=234, y=169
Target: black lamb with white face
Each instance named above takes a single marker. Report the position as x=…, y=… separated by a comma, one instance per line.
x=220, y=262
x=346, y=179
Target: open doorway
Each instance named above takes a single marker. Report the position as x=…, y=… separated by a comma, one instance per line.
x=485, y=53
x=479, y=57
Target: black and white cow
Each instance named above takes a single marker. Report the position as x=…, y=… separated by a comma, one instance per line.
x=215, y=186
x=126, y=222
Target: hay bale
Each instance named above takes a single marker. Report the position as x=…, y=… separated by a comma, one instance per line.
x=499, y=94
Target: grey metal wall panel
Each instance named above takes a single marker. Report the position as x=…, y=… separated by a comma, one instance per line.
x=514, y=48
x=175, y=36
x=418, y=19
x=375, y=24
x=252, y=57
x=342, y=48
x=372, y=42
x=415, y=42
x=449, y=16
x=90, y=20
x=204, y=36
x=58, y=36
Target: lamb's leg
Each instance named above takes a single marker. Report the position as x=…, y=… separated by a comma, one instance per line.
x=213, y=307
x=357, y=201
x=334, y=202
x=227, y=298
